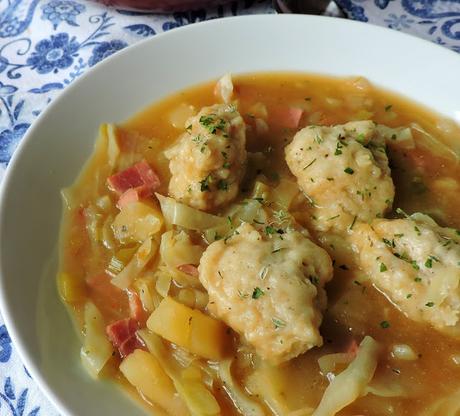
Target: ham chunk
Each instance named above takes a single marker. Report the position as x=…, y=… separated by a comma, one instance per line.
x=269, y=289
x=122, y=334
x=139, y=176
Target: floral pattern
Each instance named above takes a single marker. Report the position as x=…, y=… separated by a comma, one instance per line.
x=46, y=44
x=53, y=54
x=57, y=11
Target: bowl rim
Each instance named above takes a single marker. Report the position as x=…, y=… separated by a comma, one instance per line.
x=5, y=303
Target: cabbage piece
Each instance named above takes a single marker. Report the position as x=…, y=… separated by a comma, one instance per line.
x=224, y=88
x=197, y=397
x=352, y=382
x=113, y=149
x=285, y=193
x=397, y=137
x=328, y=363
x=268, y=383
x=385, y=389
x=140, y=259
x=434, y=145
x=96, y=349
x=176, y=248
x=240, y=400
x=176, y=213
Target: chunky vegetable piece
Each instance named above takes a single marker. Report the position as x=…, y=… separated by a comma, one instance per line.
x=96, y=349
x=351, y=383
x=198, y=333
x=343, y=172
x=268, y=287
x=136, y=222
x=208, y=162
x=416, y=263
x=144, y=372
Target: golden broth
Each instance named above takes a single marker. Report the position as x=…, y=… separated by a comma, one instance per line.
x=427, y=179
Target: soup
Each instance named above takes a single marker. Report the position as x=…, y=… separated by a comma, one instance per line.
x=273, y=244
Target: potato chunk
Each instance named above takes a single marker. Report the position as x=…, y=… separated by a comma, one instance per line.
x=144, y=372
x=269, y=288
x=343, y=171
x=190, y=328
x=416, y=264
x=208, y=162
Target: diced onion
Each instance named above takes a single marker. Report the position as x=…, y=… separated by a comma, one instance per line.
x=403, y=352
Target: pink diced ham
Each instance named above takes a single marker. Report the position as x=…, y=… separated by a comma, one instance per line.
x=135, y=307
x=122, y=334
x=133, y=195
x=131, y=344
x=287, y=117
x=136, y=176
x=189, y=269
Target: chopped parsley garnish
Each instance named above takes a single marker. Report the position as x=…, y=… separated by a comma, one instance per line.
x=269, y=230
x=417, y=230
x=383, y=267
x=409, y=295
x=415, y=265
x=314, y=280
x=189, y=127
x=349, y=170
x=361, y=138
x=211, y=124
x=257, y=293
x=418, y=279
x=311, y=163
x=402, y=212
x=242, y=295
x=333, y=218
x=389, y=243
x=204, y=184
x=353, y=223
x=429, y=263
x=319, y=139
x=226, y=165
x=222, y=185
x=429, y=304
x=457, y=232
x=388, y=107
x=338, y=148
x=385, y=324
x=263, y=272
x=279, y=323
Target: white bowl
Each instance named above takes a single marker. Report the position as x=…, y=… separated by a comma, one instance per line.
x=56, y=146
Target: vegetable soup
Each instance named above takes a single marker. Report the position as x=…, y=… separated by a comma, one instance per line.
x=271, y=244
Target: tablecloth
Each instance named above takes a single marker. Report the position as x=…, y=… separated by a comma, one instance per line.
x=46, y=44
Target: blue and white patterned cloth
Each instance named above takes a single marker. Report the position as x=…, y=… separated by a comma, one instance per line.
x=46, y=44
